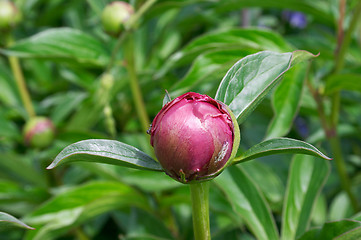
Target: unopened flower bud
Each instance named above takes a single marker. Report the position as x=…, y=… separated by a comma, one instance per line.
x=9, y=15
x=115, y=15
x=39, y=132
x=194, y=137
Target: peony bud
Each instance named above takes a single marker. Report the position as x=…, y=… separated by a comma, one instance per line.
x=39, y=132
x=194, y=137
x=115, y=15
x=9, y=15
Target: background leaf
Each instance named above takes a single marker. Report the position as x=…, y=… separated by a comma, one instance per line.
x=207, y=67
x=341, y=230
x=106, y=151
x=251, y=78
x=305, y=181
x=252, y=38
x=61, y=44
x=285, y=101
x=346, y=81
x=247, y=200
x=74, y=206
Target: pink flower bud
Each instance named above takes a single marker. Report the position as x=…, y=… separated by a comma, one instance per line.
x=39, y=132
x=194, y=136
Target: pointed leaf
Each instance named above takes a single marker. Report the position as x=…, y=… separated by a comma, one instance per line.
x=62, y=44
x=277, y=146
x=106, y=151
x=305, y=181
x=247, y=200
x=7, y=221
x=341, y=230
x=251, y=78
x=285, y=101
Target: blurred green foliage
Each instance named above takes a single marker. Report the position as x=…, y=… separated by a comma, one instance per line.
x=82, y=79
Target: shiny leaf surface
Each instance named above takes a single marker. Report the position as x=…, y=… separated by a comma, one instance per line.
x=277, y=146
x=106, y=151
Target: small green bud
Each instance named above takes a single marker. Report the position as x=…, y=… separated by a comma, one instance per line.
x=9, y=15
x=39, y=132
x=115, y=15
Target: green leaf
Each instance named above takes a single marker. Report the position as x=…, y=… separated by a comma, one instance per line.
x=341, y=230
x=277, y=146
x=346, y=81
x=14, y=166
x=147, y=181
x=207, y=67
x=7, y=221
x=106, y=151
x=249, y=80
x=70, y=208
x=305, y=181
x=285, y=101
x=272, y=186
x=252, y=38
x=143, y=225
x=61, y=44
x=247, y=200
x=340, y=207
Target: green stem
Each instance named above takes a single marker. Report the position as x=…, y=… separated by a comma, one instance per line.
x=341, y=170
x=346, y=40
x=129, y=26
x=126, y=38
x=20, y=81
x=343, y=42
x=134, y=84
x=140, y=12
x=200, y=210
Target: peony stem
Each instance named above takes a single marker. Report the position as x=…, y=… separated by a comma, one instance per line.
x=20, y=81
x=200, y=210
x=134, y=84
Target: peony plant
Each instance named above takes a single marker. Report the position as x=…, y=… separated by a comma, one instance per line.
x=196, y=137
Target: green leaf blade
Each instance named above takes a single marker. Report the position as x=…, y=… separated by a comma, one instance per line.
x=61, y=44
x=82, y=203
x=277, y=146
x=345, y=229
x=285, y=101
x=248, y=202
x=305, y=181
x=106, y=151
x=8, y=221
